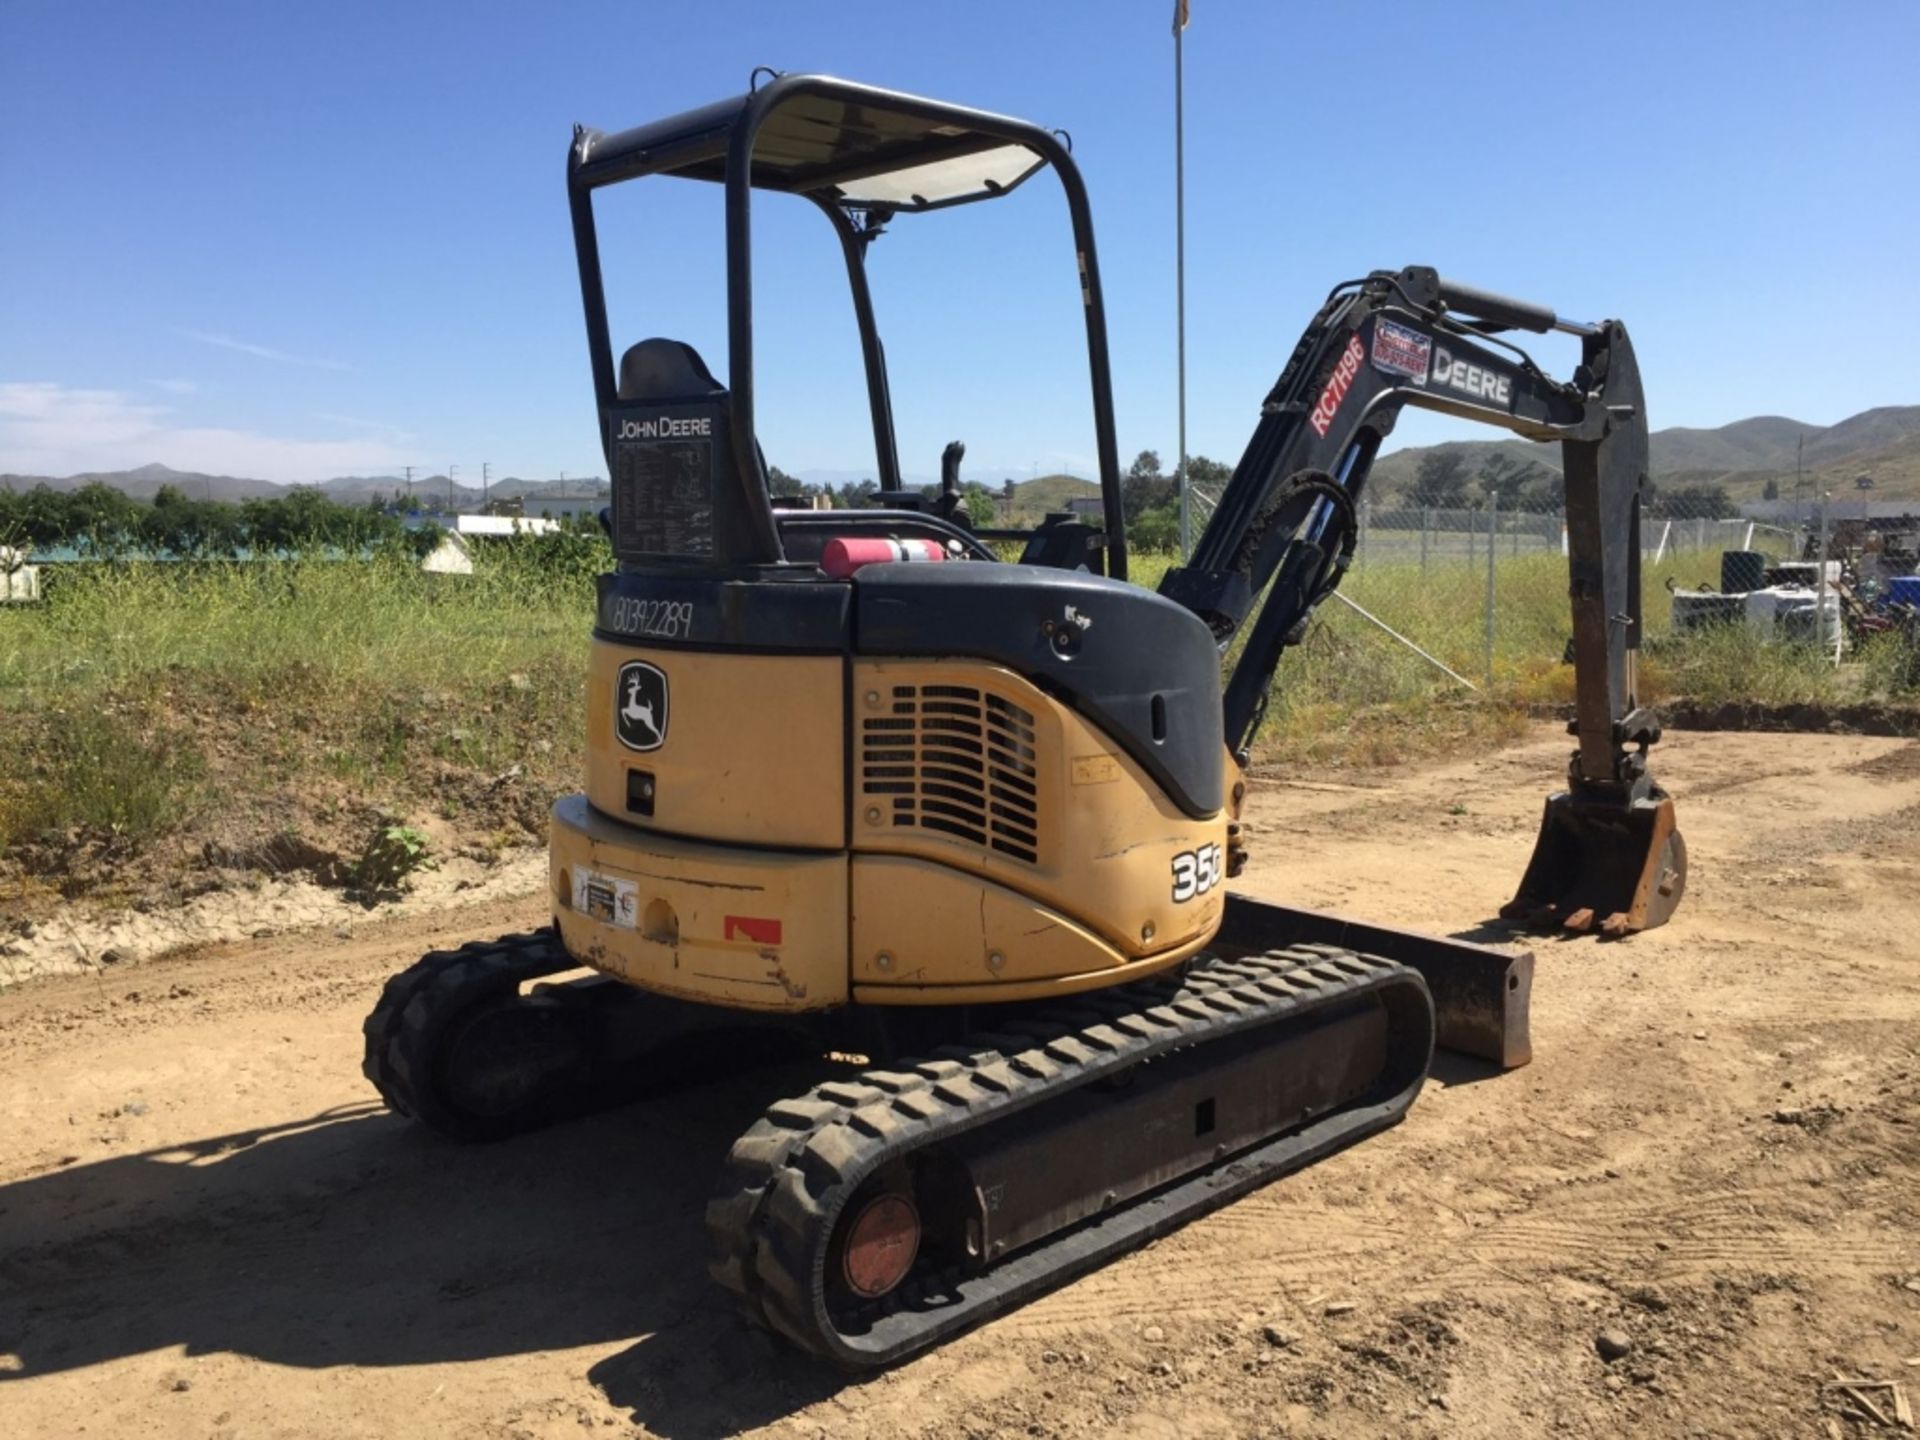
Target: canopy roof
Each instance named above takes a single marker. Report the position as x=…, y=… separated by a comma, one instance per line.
x=870, y=148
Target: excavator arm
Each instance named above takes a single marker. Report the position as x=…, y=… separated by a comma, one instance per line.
x=1285, y=529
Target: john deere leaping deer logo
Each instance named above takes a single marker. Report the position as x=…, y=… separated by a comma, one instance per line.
x=640, y=706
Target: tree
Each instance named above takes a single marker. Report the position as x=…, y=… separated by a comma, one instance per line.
x=1505, y=479
x=46, y=517
x=979, y=503
x=1693, y=502
x=1208, y=475
x=189, y=529
x=1157, y=531
x=1771, y=490
x=782, y=484
x=101, y=519
x=1144, y=487
x=1441, y=479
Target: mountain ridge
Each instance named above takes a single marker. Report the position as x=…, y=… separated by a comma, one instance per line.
x=1742, y=456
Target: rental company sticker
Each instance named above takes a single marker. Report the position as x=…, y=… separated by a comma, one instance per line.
x=1401, y=351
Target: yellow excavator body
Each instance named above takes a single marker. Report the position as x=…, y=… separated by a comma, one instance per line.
x=813, y=830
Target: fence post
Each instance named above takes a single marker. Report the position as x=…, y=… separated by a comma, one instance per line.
x=1820, y=585
x=1366, y=523
x=1471, y=532
x=1426, y=520
x=1493, y=515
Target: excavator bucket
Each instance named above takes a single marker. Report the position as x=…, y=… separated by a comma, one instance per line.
x=1603, y=865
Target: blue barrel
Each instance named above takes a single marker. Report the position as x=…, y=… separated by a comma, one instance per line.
x=1904, y=590
x=1741, y=571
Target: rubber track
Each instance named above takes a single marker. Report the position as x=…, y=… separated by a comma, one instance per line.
x=788, y=1177
x=405, y=1025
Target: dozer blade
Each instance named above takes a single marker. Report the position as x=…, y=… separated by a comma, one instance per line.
x=1601, y=865
x=1481, y=996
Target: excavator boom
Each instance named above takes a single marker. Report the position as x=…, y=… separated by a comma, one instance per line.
x=1286, y=528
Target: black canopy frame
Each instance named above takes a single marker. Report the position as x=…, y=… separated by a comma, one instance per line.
x=822, y=137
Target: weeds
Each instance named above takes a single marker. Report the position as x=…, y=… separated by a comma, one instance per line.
x=139, y=691
x=92, y=772
x=393, y=855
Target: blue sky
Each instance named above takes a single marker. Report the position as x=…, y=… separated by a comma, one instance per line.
x=301, y=241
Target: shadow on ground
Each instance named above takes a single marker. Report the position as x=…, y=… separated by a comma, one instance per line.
x=349, y=1238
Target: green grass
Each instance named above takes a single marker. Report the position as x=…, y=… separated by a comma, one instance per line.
x=97, y=771
x=325, y=625
x=144, y=701
x=1352, y=694
x=137, y=695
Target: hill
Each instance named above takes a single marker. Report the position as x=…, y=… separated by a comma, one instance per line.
x=147, y=481
x=1034, y=499
x=1742, y=456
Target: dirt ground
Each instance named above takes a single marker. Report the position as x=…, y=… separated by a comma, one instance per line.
x=209, y=1228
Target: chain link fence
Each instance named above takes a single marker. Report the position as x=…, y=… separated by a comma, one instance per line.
x=1471, y=601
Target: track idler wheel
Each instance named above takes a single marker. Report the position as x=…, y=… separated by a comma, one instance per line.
x=1601, y=865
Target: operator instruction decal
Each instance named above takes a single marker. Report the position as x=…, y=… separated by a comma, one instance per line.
x=605, y=898
x=1338, y=384
x=1400, y=350
x=640, y=706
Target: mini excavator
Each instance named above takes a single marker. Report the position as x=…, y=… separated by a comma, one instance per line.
x=964, y=826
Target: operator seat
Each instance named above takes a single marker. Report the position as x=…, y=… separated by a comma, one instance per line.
x=666, y=370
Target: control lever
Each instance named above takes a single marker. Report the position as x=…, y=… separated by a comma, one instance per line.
x=948, y=505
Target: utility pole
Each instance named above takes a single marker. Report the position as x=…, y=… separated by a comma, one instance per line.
x=486, y=477
x=1180, y=265
x=450, y=504
x=409, y=488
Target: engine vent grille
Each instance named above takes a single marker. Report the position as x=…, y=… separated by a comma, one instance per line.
x=956, y=760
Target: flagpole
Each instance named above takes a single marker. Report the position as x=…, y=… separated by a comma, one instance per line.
x=1180, y=264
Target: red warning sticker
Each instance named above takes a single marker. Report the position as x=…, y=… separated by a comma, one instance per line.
x=757, y=929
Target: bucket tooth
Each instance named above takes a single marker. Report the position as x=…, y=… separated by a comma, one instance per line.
x=1597, y=856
